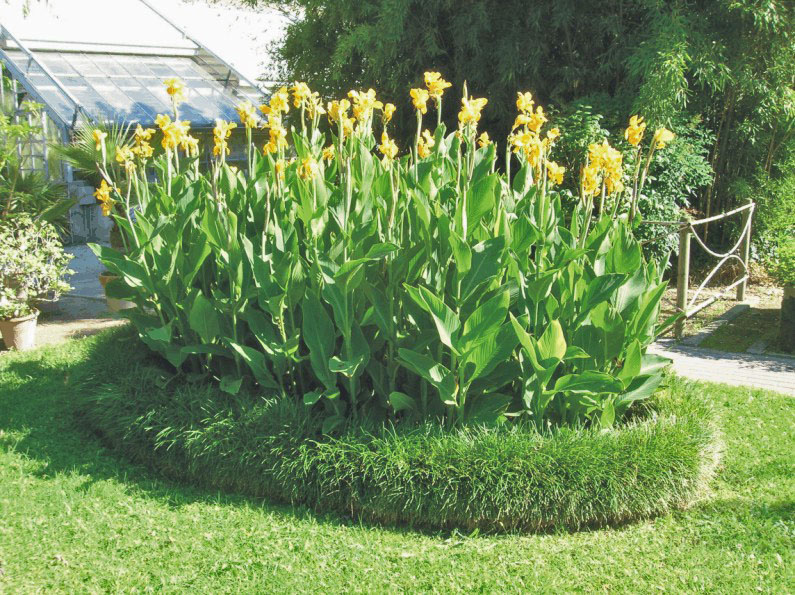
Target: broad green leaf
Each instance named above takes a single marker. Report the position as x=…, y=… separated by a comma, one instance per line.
x=230, y=384
x=632, y=363
x=401, y=401
x=484, y=321
x=203, y=319
x=437, y=374
x=487, y=409
x=446, y=321
x=588, y=382
x=486, y=264
x=552, y=343
x=319, y=337
x=256, y=363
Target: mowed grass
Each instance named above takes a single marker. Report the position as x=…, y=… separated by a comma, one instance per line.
x=74, y=517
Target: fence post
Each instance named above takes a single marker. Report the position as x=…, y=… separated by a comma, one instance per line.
x=745, y=253
x=682, y=278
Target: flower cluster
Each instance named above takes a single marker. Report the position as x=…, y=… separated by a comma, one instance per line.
x=526, y=138
x=605, y=170
x=221, y=134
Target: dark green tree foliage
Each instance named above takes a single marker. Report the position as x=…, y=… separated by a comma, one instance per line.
x=722, y=68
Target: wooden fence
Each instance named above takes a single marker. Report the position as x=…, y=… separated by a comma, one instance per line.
x=740, y=252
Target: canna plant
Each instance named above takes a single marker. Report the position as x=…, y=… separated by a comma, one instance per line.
x=374, y=283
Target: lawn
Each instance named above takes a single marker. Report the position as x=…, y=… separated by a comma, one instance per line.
x=74, y=517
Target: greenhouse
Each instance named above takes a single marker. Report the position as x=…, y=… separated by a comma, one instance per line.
x=111, y=76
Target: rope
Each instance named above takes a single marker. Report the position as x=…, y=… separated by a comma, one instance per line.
x=746, y=229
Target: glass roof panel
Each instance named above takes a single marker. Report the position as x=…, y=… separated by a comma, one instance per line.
x=115, y=87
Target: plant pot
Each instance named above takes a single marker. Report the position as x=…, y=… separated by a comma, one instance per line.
x=20, y=333
x=114, y=304
x=786, y=331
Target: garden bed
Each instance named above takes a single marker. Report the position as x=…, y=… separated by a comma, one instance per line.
x=490, y=478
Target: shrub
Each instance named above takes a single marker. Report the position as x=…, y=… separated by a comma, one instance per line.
x=496, y=479
x=424, y=286
x=33, y=265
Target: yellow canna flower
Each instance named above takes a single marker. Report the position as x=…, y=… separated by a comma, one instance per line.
x=662, y=136
x=269, y=147
x=221, y=133
x=248, y=114
x=537, y=120
x=99, y=138
x=389, y=111
x=364, y=103
x=425, y=144
x=436, y=85
x=338, y=109
x=301, y=94
x=328, y=153
x=347, y=126
x=387, y=147
x=125, y=156
x=190, y=144
x=524, y=102
x=176, y=89
x=102, y=194
x=280, y=101
x=162, y=120
x=419, y=98
x=555, y=172
x=590, y=180
x=308, y=168
x=470, y=110
x=521, y=120
x=553, y=134
x=484, y=140
x=314, y=105
x=634, y=132
x=278, y=168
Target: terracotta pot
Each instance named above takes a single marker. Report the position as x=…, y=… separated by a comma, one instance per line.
x=20, y=333
x=786, y=331
x=114, y=304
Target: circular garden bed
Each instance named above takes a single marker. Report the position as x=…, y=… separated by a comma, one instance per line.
x=488, y=478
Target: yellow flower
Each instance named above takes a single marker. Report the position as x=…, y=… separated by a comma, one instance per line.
x=269, y=147
x=314, y=105
x=470, y=110
x=143, y=134
x=280, y=101
x=162, y=120
x=436, y=85
x=387, y=147
x=537, y=120
x=528, y=143
x=190, y=144
x=248, y=114
x=176, y=89
x=301, y=94
x=125, y=156
x=521, y=120
x=389, y=111
x=278, y=168
x=99, y=138
x=338, y=109
x=328, y=153
x=425, y=144
x=484, y=140
x=174, y=133
x=222, y=132
x=590, y=179
x=553, y=134
x=419, y=98
x=634, y=132
x=308, y=168
x=278, y=135
x=555, y=172
x=347, y=126
x=364, y=103
x=102, y=194
x=524, y=102
x=662, y=136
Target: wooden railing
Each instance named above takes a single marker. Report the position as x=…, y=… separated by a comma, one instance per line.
x=740, y=252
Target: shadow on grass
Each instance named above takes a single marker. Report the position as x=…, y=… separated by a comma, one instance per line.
x=38, y=419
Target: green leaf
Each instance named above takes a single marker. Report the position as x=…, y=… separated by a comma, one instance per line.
x=461, y=253
x=632, y=363
x=446, y=321
x=401, y=401
x=480, y=200
x=486, y=263
x=438, y=375
x=203, y=319
x=552, y=343
x=487, y=409
x=319, y=336
x=256, y=363
x=589, y=382
x=484, y=321
x=230, y=384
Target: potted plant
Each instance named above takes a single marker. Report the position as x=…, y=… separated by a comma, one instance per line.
x=33, y=268
x=783, y=271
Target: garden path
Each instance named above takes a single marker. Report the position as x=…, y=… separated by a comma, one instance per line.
x=769, y=372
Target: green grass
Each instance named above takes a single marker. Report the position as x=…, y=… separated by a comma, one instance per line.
x=74, y=517
x=494, y=480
